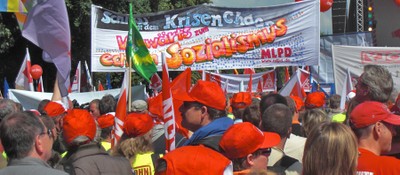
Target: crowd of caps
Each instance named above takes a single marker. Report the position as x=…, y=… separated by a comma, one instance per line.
x=241, y=133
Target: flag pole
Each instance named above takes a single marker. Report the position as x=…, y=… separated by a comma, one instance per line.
x=130, y=57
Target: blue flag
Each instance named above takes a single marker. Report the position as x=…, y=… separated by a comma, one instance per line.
x=108, y=81
x=6, y=87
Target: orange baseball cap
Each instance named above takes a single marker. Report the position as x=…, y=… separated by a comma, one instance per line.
x=315, y=100
x=207, y=93
x=137, y=124
x=298, y=101
x=244, y=138
x=54, y=109
x=370, y=112
x=78, y=122
x=106, y=120
x=241, y=100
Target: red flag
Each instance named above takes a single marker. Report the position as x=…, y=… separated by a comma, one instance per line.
x=120, y=112
x=40, y=85
x=293, y=87
x=250, y=85
x=168, y=108
x=24, y=79
x=181, y=83
x=287, y=75
x=155, y=82
x=249, y=71
x=305, y=80
x=100, y=87
x=259, y=86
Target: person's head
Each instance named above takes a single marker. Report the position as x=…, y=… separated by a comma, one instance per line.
x=79, y=128
x=311, y=118
x=252, y=114
x=24, y=135
x=239, y=102
x=334, y=101
x=204, y=103
x=137, y=136
x=374, y=84
x=57, y=112
x=372, y=122
x=106, y=123
x=270, y=99
x=94, y=108
x=336, y=141
x=315, y=100
x=278, y=119
x=247, y=146
x=41, y=106
x=139, y=106
x=107, y=104
x=291, y=104
x=299, y=103
x=7, y=106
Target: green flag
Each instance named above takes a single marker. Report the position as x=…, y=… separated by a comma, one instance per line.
x=137, y=51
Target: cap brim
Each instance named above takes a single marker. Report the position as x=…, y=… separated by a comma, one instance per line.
x=270, y=140
x=184, y=96
x=393, y=119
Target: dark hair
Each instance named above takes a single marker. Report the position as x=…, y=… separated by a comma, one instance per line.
x=212, y=112
x=270, y=99
x=252, y=114
x=7, y=107
x=291, y=104
x=334, y=101
x=238, y=163
x=41, y=106
x=107, y=104
x=277, y=118
x=18, y=132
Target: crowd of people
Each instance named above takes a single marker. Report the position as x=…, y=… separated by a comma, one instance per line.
x=241, y=133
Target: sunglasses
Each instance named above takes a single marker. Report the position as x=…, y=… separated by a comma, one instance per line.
x=265, y=151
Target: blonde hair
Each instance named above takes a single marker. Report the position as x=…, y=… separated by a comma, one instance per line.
x=311, y=118
x=332, y=146
x=130, y=147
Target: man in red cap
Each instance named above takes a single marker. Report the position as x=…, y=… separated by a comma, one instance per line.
x=85, y=156
x=248, y=147
x=57, y=112
x=374, y=125
x=203, y=113
x=239, y=102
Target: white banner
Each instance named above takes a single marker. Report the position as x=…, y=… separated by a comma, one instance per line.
x=208, y=38
x=354, y=58
x=232, y=83
x=30, y=100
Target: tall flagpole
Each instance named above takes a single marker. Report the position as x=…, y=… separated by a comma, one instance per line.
x=130, y=57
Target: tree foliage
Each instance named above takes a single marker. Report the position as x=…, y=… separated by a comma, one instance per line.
x=12, y=45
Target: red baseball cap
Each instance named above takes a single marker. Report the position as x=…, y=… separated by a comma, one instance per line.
x=137, y=124
x=106, y=120
x=370, y=112
x=207, y=93
x=78, y=122
x=298, y=101
x=241, y=100
x=54, y=109
x=244, y=138
x=315, y=100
